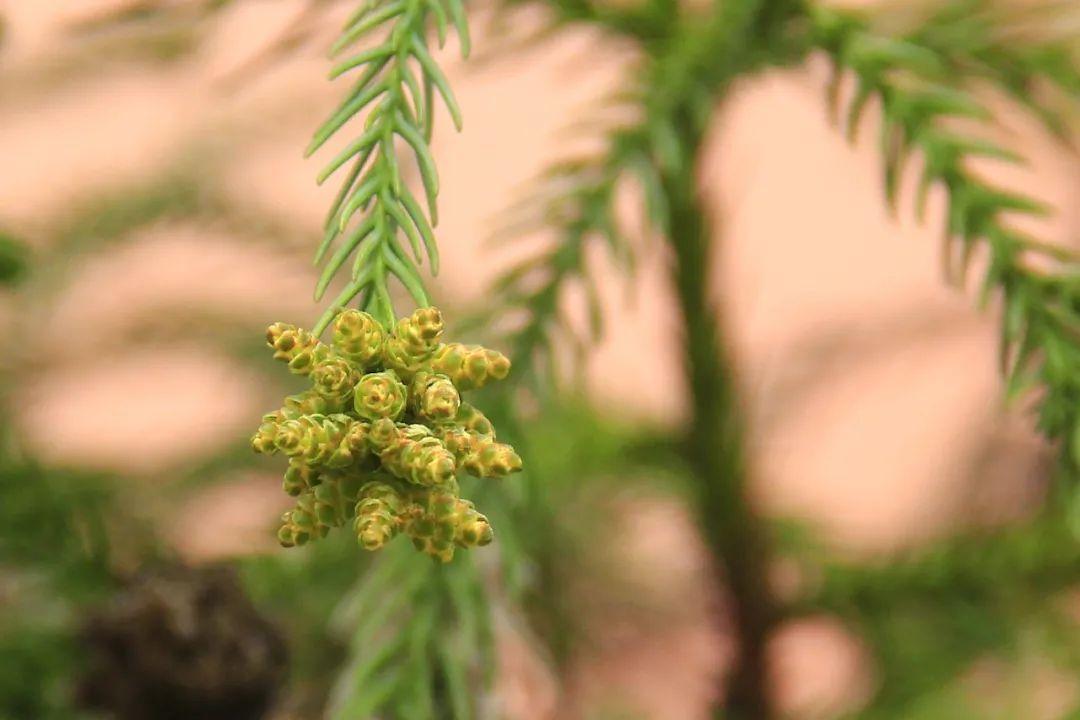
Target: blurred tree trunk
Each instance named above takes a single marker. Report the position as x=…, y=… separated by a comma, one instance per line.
x=714, y=442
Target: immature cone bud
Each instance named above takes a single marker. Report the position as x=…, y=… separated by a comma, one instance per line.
x=461, y=443
x=414, y=339
x=315, y=444
x=433, y=529
x=473, y=528
x=397, y=357
x=382, y=434
x=420, y=332
x=429, y=463
x=334, y=378
x=337, y=440
x=415, y=431
x=310, y=402
x=379, y=395
x=300, y=524
x=378, y=514
x=435, y=397
x=316, y=439
x=471, y=419
x=295, y=346
x=358, y=337
x=289, y=436
x=263, y=439
x=335, y=499
x=490, y=459
x=480, y=455
x=356, y=440
x=469, y=366
x=299, y=477
x=421, y=461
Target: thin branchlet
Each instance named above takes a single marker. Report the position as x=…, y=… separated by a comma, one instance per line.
x=574, y=201
x=375, y=210
x=1038, y=284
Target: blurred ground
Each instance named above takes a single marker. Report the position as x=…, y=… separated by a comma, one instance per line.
x=872, y=386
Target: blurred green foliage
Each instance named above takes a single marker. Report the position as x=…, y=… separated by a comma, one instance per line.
x=14, y=259
x=54, y=554
x=929, y=615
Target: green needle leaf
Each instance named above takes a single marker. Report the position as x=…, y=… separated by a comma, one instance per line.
x=354, y=33
x=359, y=59
x=346, y=187
x=362, y=145
x=342, y=253
x=429, y=100
x=441, y=20
x=358, y=198
x=408, y=277
x=421, y=102
x=390, y=161
x=436, y=75
x=428, y=174
x=405, y=223
x=454, y=673
x=417, y=214
x=360, y=13
x=457, y=12
x=345, y=113
x=347, y=294
x=367, y=250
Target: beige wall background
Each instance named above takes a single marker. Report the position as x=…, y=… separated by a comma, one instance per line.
x=871, y=384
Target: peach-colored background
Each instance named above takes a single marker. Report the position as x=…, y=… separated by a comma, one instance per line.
x=871, y=385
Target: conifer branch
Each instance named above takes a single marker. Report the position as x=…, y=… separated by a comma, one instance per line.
x=1016, y=48
x=574, y=200
x=419, y=639
x=977, y=595
x=375, y=211
x=1037, y=283
x=691, y=63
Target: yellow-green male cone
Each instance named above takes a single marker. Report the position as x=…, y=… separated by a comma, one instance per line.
x=470, y=418
x=297, y=347
x=317, y=439
x=381, y=433
x=311, y=402
x=434, y=397
x=469, y=367
x=379, y=395
x=299, y=477
x=472, y=528
x=333, y=378
x=335, y=498
x=434, y=528
x=489, y=459
x=413, y=341
x=415, y=455
x=378, y=514
x=358, y=337
x=299, y=525
x=420, y=332
x=263, y=441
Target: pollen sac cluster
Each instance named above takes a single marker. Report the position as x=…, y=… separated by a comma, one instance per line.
x=379, y=439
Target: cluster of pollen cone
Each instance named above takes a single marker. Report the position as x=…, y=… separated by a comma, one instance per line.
x=378, y=440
